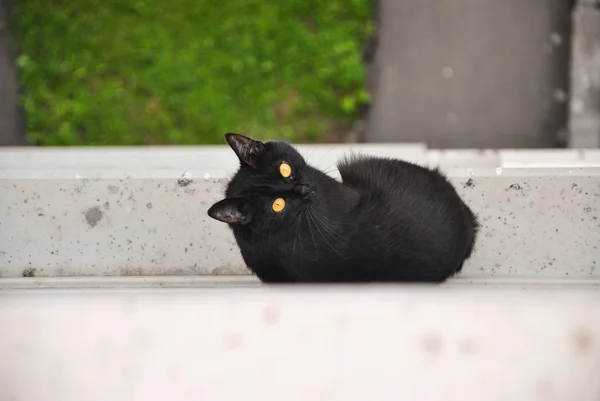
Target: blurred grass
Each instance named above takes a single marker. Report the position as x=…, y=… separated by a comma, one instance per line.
x=118, y=72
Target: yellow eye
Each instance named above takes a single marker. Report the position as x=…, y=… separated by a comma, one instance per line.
x=285, y=169
x=278, y=205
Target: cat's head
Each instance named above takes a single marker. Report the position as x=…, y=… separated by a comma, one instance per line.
x=273, y=185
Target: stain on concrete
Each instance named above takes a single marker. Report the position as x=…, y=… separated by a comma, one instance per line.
x=93, y=216
x=469, y=183
x=113, y=189
x=138, y=271
x=271, y=314
x=340, y=321
x=184, y=181
x=468, y=346
x=232, y=341
x=106, y=205
x=85, y=183
x=432, y=343
x=584, y=342
x=545, y=389
x=229, y=271
x=132, y=271
x=29, y=272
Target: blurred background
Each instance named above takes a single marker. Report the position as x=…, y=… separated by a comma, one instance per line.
x=447, y=73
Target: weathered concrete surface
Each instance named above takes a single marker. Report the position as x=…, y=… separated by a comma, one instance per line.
x=475, y=73
x=346, y=343
x=539, y=222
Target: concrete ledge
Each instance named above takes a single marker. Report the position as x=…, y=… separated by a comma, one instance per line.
x=549, y=158
x=374, y=343
x=221, y=158
x=250, y=281
x=218, y=157
x=536, y=222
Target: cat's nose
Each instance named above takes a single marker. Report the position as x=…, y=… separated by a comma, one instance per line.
x=304, y=190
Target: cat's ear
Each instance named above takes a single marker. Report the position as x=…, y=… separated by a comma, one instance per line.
x=248, y=150
x=231, y=211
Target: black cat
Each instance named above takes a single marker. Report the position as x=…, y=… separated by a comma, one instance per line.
x=389, y=220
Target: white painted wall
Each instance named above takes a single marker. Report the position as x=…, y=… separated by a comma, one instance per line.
x=300, y=344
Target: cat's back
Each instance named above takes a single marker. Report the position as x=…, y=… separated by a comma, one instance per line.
x=397, y=192
x=390, y=176
x=409, y=216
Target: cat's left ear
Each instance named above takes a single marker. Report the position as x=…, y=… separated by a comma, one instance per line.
x=231, y=211
x=248, y=150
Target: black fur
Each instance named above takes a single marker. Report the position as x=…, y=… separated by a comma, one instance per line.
x=389, y=220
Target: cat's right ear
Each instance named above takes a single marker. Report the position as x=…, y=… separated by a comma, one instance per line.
x=231, y=211
x=248, y=150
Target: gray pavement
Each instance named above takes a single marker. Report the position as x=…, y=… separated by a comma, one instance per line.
x=12, y=130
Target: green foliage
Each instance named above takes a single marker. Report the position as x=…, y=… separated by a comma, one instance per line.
x=116, y=72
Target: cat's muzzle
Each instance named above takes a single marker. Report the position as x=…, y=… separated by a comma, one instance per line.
x=304, y=190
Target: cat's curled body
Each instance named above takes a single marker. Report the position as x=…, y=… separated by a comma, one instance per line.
x=388, y=220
